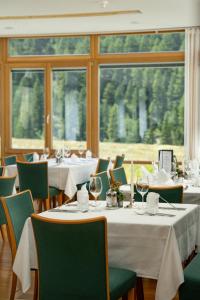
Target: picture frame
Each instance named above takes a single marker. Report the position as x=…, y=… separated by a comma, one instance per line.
x=165, y=158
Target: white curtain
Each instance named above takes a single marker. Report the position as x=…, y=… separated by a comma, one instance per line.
x=192, y=93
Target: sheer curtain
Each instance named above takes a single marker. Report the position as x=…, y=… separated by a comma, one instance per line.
x=192, y=93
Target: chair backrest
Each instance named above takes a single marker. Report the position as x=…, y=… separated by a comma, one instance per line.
x=119, y=161
x=119, y=175
x=34, y=177
x=6, y=189
x=80, y=270
x=105, y=184
x=173, y=194
x=28, y=157
x=17, y=209
x=2, y=170
x=102, y=165
x=9, y=160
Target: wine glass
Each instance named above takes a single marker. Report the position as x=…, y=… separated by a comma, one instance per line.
x=95, y=187
x=81, y=150
x=46, y=153
x=67, y=152
x=58, y=155
x=142, y=187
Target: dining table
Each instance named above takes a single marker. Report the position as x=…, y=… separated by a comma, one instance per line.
x=65, y=175
x=154, y=246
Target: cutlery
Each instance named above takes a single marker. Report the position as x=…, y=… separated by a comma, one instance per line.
x=164, y=215
x=63, y=210
x=173, y=208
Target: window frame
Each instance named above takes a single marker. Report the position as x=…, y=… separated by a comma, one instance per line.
x=92, y=63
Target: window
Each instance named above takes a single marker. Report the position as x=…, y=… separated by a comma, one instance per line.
x=49, y=46
x=114, y=94
x=27, y=109
x=160, y=42
x=141, y=110
x=69, y=107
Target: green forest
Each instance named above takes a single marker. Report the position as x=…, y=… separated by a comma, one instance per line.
x=138, y=103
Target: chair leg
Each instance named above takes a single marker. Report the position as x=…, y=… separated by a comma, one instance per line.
x=60, y=199
x=35, y=293
x=3, y=234
x=13, y=287
x=139, y=289
x=47, y=204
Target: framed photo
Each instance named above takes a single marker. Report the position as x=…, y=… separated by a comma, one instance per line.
x=165, y=158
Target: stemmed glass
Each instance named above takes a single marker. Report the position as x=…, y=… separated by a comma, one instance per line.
x=81, y=150
x=142, y=186
x=67, y=152
x=46, y=153
x=95, y=187
x=58, y=155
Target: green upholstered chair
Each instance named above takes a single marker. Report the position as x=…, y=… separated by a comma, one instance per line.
x=102, y=165
x=34, y=177
x=10, y=160
x=2, y=170
x=190, y=289
x=6, y=189
x=28, y=157
x=119, y=175
x=118, y=161
x=80, y=270
x=105, y=184
x=17, y=209
x=173, y=194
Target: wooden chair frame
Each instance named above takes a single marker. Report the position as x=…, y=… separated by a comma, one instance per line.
x=13, y=246
x=139, y=287
x=168, y=188
x=47, y=201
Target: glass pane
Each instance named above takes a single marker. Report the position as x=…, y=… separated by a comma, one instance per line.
x=161, y=42
x=69, y=107
x=141, y=111
x=27, y=109
x=49, y=46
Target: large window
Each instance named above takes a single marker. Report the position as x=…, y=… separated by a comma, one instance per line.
x=28, y=109
x=69, y=107
x=113, y=94
x=141, y=110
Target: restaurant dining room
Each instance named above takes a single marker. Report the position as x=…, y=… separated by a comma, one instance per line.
x=100, y=150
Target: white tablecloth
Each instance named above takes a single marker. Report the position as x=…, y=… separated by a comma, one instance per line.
x=153, y=246
x=67, y=175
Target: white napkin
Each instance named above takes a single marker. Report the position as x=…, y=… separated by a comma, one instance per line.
x=74, y=155
x=36, y=156
x=88, y=154
x=162, y=177
x=147, y=174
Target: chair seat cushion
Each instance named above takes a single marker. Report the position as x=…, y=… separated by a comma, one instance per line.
x=190, y=289
x=53, y=191
x=121, y=281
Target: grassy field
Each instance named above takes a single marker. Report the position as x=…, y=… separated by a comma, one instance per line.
x=139, y=152
x=148, y=152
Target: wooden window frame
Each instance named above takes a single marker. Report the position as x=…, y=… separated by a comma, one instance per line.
x=91, y=62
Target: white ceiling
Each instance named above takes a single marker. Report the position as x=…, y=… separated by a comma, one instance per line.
x=155, y=14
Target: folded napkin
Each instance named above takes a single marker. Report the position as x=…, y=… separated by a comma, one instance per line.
x=147, y=174
x=162, y=177
x=36, y=156
x=74, y=155
x=88, y=154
